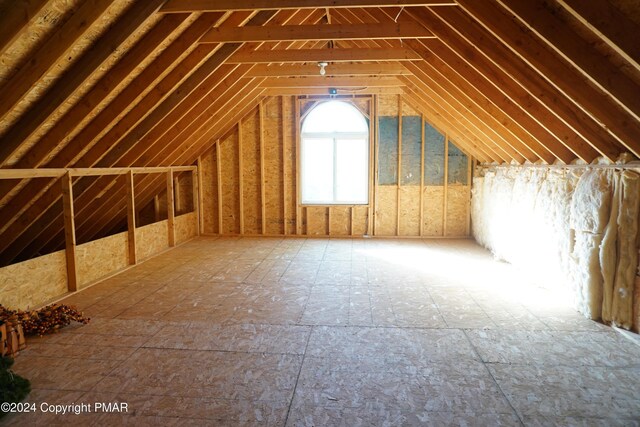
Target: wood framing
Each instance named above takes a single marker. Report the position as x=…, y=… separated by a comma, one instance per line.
x=69, y=232
x=178, y=6
x=403, y=30
x=324, y=55
x=92, y=88
x=196, y=179
x=338, y=69
x=310, y=82
x=263, y=189
x=131, y=217
x=171, y=213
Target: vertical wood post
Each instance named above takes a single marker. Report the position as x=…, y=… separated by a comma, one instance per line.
x=196, y=180
x=422, y=148
x=156, y=208
x=398, y=198
x=285, y=141
x=445, y=200
x=219, y=177
x=376, y=144
x=171, y=209
x=297, y=166
x=69, y=232
x=131, y=218
x=240, y=172
x=177, y=194
x=469, y=182
x=351, y=209
x=263, y=192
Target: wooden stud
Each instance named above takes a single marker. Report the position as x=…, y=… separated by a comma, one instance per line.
x=263, y=192
x=177, y=194
x=156, y=208
x=469, y=184
x=398, y=187
x=327, y=219
x=351, y=221
x=285, y=141
x=171, y=210
x=131, y=218
x=297, y=166
x=445, y=202
x=219, y=178
x=376, y=143
x=240, y=174
x=422, y=150
x=69, y=232
x=196, y=181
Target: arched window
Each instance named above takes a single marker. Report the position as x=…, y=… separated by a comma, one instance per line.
x=335, y=155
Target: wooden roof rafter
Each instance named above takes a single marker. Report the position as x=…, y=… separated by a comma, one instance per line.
x=113, y=156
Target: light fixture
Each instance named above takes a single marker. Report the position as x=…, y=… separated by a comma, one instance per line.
x=322, y=70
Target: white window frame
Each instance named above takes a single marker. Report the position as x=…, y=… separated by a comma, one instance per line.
x=334, y=136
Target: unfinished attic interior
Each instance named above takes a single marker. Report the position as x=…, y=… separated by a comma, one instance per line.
x=319, y=212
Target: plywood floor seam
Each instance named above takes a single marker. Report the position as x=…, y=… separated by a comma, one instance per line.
x=302, y=332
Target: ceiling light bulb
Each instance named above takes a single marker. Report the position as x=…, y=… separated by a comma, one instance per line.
x=322, y=70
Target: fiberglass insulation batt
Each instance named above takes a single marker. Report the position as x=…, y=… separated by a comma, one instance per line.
x=575, y=228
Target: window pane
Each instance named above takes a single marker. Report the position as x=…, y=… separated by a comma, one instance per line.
x=335, y=116
x=352, y=175
x=317, y=170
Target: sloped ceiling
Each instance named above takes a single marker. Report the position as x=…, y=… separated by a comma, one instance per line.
x=103, y=83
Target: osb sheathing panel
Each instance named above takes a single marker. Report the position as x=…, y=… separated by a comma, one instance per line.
x=32, y=283
x=40, y=28
x=273, y=165
x=361, y=220
x=363, y=104
x=60, y=14
x=152, y=239
x=108, y=99
x=457, y=210
x=388, y=105
x=251, y=174
x=184, y=193
x=230, y=184
x=386, y=210
x=209, y=190
x=410, y=211
x=339, y=220
x=408, y=110
x=433, y=200
x=316, y=220
x=186, y=227
x=290, y=163
x=101, y=257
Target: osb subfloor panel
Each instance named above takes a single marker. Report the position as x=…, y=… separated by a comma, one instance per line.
x=323, y=332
